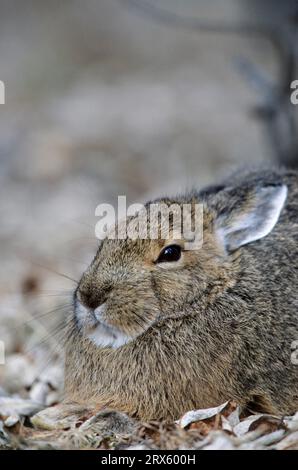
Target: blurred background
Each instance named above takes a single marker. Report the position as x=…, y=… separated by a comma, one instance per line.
x=121, y=97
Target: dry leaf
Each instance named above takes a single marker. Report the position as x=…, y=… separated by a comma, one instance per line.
x=252, y=422
x=4, y=438
x=289, y=442
x=199, y=415
x=18, y=406
x=11, y=421
x=63, y=416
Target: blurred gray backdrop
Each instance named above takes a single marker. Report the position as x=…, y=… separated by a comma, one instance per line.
x=103, y=100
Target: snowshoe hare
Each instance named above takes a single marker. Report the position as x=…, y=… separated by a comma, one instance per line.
x=159, y=329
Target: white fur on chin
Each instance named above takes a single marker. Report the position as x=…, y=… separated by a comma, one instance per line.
x=103, y=334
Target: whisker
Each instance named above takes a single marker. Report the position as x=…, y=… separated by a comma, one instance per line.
x=42, y=315
x=50, y=337
x=73, y=260
x=35, y=263
x=57, y=294
x=65, y=276
x=49, y=361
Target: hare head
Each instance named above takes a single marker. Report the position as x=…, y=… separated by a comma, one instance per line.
x=133, y=283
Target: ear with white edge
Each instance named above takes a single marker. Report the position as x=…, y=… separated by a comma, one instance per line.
x=253, y=219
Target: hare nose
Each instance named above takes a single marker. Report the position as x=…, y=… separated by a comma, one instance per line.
x=91, y=300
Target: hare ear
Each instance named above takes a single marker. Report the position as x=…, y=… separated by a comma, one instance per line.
x=253, y=218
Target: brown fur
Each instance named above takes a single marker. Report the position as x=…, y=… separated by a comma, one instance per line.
x=217, y=326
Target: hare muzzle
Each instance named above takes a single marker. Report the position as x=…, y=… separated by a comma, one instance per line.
x=94, y=325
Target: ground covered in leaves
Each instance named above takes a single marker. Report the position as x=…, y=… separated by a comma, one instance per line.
x=74, y=427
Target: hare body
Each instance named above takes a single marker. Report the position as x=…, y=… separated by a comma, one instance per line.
x=217, y=324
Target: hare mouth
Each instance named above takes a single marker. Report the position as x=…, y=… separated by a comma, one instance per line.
x=94, y=327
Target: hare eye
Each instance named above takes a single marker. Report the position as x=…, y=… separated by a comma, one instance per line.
x=170, y=253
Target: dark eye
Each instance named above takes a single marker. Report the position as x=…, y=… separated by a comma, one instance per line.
x=170, y=253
